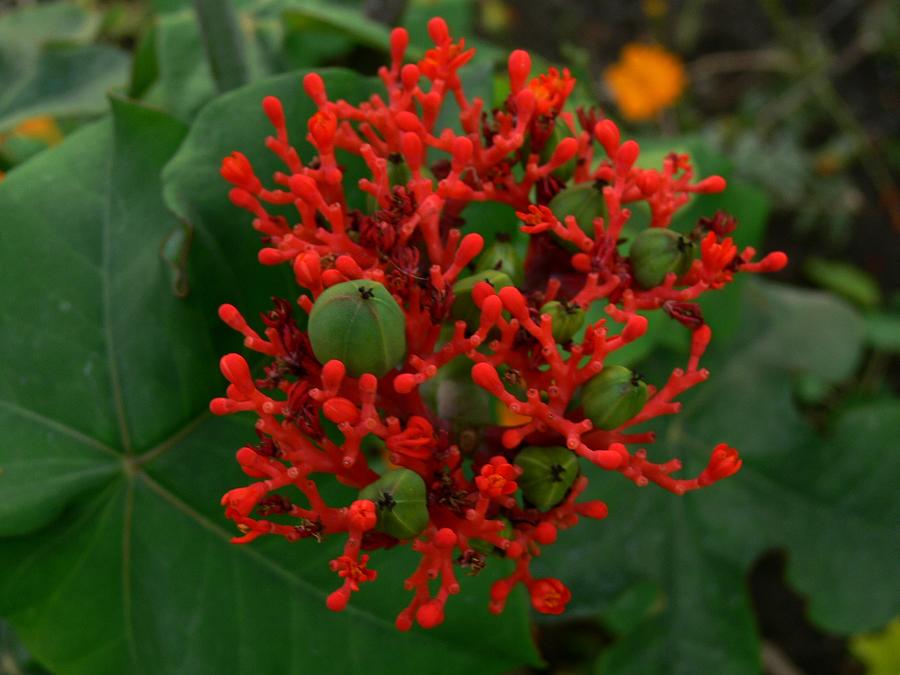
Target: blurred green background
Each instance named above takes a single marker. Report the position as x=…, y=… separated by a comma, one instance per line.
x=117, y=244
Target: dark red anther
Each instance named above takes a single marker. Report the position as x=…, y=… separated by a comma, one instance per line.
x=687, y=313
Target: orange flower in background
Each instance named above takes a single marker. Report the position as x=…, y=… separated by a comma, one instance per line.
x=645, y=80
x=43, y=128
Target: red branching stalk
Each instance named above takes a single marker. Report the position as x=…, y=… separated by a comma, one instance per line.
x=409, y=243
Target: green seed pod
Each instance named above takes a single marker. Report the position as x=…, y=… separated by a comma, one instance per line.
x=401, y=501
x=584, y=201
x=613, y=397
x=501, y=256
x=641, y=217
x=560, y=131
x=464, y=307
x=359, y=323
x=657, y=251
x=547, y=475
x=567, y=319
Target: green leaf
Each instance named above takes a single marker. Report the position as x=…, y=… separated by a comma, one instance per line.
x=184, y=81
x=63, y=81
x=880, y=651
x=848, y=281
x=827, y=500
x=883, y=331
x=14, y=658
x=35, y=25
x=353, y=24
x=116, y=556
x=48, y=70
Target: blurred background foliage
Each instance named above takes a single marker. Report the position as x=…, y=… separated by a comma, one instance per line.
x=788, y=568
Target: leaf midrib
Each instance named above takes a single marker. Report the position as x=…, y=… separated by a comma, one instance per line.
x=106, y=284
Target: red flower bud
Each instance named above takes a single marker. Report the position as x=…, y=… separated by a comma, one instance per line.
x=362, y=515
x=519, y=69
x=549, y=596
x=723, y=462
x=340, y=410
x=497, y=479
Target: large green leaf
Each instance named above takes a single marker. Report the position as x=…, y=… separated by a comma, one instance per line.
x=353, y=24
x=46, y=68
x=116, y=556
x=829, y=502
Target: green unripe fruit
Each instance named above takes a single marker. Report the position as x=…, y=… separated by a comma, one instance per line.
x=657, y=251
x=464, y=307
x=547, y=475
x=584, y=201
x=641, y=217
x=501, y=256
x=401, y=501
x=359, y=323
x=613, y=397
x=560, y=131
x=567, y=319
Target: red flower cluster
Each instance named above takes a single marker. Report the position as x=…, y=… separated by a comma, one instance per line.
x=318, y=417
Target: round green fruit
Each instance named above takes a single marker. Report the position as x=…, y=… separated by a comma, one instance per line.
x=567, y=319
x=584, y=201
x=547, y=475
x=401, y=502
x=360, y=324
x=613, y=397
x=501, y=256
x=657, y=251
x=464, y=307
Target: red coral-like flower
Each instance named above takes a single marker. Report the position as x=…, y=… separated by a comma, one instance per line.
x=497, y=478
x=320, y=414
